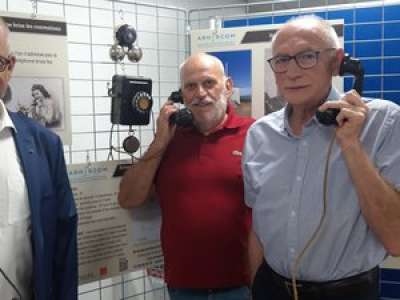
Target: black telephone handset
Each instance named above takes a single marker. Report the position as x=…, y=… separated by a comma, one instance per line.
x=351, y=66
x=182, y=117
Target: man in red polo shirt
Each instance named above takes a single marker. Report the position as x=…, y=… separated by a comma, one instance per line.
x=198, y=180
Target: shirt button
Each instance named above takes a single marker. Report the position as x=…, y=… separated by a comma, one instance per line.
x=293, y=213
x=304, y=144
x=292, y=250
x=298, y=178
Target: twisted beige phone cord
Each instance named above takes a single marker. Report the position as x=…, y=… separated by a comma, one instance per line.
x=317, y=231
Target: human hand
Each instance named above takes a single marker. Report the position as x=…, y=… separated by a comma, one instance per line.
x=165, y=130
x=351, y=118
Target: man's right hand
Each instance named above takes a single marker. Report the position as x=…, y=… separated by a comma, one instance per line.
x=137, y=184
x=165, y=130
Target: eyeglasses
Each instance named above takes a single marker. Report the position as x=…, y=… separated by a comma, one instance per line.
x=4, y=62
x=305, y=60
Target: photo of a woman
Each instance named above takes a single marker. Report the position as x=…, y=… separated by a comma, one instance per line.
x=43, y=108
x=38, y=98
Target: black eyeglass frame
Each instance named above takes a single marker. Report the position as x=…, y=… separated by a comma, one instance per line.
x=296, y=59
x=4, y=62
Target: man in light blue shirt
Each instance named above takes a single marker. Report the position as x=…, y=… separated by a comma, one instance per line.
x=321, y=241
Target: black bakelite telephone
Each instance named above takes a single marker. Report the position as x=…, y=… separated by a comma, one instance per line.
x=182, y=117
x=351, y=66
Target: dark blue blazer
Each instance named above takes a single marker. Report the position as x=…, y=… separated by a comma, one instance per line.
x=53, y=212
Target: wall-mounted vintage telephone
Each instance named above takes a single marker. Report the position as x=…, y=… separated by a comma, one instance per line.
x=182, y=117
x=351, y=66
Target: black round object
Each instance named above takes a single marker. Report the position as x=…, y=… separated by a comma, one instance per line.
x=131, y=144
x=126, y=35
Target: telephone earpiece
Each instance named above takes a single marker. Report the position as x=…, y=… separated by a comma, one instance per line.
x=351, y=66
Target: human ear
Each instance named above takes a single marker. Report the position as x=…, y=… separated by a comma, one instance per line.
x=228, y=86
x=336, y=61
x=10, y=66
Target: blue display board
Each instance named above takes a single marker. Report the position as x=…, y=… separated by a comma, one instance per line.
x=371, y=34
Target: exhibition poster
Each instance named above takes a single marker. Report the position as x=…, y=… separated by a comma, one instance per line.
x=40, y=81
x=112, y=240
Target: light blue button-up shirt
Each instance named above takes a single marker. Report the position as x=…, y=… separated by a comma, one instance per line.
x=283, y=177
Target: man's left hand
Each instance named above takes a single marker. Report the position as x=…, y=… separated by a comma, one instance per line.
x=353, y=113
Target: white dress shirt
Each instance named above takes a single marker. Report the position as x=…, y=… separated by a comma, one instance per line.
x=15, y=221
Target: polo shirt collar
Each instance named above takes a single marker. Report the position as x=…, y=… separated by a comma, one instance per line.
x=233, y=120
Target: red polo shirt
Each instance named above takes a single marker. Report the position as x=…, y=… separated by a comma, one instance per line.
x=205, y=223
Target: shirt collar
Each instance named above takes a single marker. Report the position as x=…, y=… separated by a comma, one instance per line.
x=333, y=95
x=5, y=120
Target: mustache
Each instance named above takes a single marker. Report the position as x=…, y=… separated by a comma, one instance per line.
x=197, y=101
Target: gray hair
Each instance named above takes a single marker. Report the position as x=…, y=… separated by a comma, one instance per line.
x=329, y=33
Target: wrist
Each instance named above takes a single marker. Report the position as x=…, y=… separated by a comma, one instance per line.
x=351, y=148
x=156, y=148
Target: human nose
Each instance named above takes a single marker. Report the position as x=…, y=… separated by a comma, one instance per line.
x=293, y=68
x=200, y=91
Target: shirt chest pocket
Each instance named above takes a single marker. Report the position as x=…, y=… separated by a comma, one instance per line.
x=18, y=203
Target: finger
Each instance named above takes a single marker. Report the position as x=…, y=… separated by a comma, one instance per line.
x=353, y=98
x=334, y=104
x=341, y=117
x=165, y=114
x=167, y=104
x=168, y=107
x=351, y=115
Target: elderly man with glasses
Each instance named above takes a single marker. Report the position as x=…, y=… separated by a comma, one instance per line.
x=325, y=199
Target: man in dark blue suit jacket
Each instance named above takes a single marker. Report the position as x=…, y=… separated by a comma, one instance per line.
x=53, y=217
x=53, y=213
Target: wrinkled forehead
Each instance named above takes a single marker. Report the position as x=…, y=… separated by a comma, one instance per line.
x=295, y=37
x=200, y=69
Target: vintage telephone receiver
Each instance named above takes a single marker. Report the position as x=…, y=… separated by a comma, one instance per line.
x=351, y=66
x=183, y=117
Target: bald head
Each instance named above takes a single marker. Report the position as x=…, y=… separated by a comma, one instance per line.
x=312, y=24
x=205, y=90
x=201, y=61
